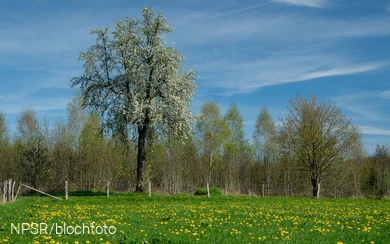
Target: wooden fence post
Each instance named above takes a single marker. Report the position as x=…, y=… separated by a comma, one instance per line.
x=17, y=193
x=263, y=190
x=66, y=190
x=150, y=189
x=108, y=189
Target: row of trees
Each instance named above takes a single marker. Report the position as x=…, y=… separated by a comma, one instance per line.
x=289, y=159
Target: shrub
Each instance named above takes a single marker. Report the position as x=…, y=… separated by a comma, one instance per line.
x=213, y=192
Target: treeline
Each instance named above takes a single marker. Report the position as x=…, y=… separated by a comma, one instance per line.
x=79, y=150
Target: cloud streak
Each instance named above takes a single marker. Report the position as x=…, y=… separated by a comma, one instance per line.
x=240, y=10
x=280, y=28
x=288, y=47
x=374, y=131
x=369, y=105
x=385, y=94
x=336, y=71
x=306, y=3
x=43, y=105
x=247, y=77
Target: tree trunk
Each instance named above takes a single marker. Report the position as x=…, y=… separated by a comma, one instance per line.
x=209, y=171
x=142, y=132
x=315, y=182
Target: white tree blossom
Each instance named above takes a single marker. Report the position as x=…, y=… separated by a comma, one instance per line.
x=134, y=79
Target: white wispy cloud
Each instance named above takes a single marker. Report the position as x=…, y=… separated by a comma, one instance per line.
x=307, y=48
x=240, y=10
x=336, y=71
x=287, y=29
x=368, y=105
x=47, y=45
x=247, y=77
x=43, y=105
x=54, y=33
x=306, y=3
x=385, y=94
x=370, y=130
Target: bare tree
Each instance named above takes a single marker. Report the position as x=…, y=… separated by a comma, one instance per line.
x=319, y=136
x=32, y=138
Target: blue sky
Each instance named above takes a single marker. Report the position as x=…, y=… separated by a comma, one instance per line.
x=254, y=53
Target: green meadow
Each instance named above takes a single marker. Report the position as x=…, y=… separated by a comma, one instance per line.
x=191, y=219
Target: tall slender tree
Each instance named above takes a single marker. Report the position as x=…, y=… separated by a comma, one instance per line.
x=234, y=147
x=211, y=132
x=265, y=142
x=135, y=80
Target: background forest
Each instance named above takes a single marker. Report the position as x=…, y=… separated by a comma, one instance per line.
x=80, y=150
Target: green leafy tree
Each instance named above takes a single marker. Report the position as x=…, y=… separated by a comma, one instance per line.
x=212, y=131
x=136, y=81
x=235, y=122
x=60, y=153
x=234, y=147
x=265, y=142
x=379, y=170
x=370, y=182
x=319, y=136
x=91, y=154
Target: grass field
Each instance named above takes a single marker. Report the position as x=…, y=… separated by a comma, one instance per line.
x=188, y=219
